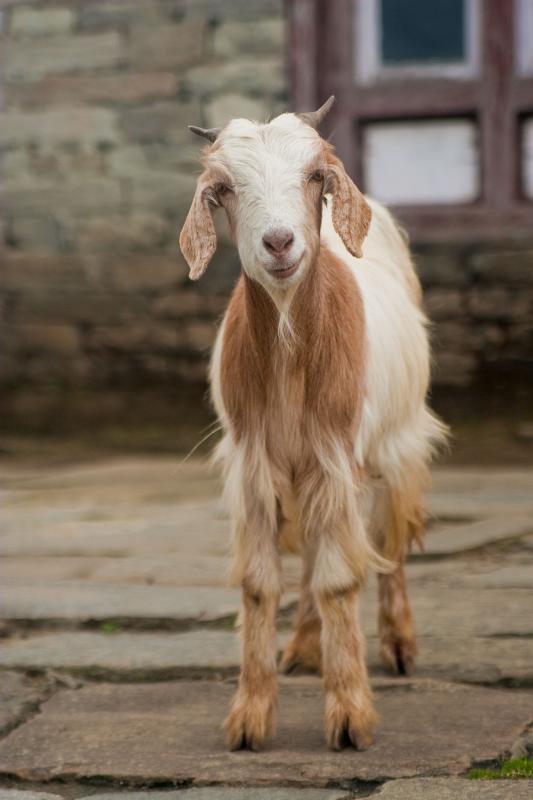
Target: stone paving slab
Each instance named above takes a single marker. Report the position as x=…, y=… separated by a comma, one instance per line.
x=228, y=793
x=22, y=794
x=511, y=570
x=512, y=576
x=172, y=731
x=473, y=493
x=120, y=480
x=451, y=540
x=469, y=660
x=156, y=656
x=193, y=528
x=402, y=789
x=441, y=609
x=204, y=793
x=162, y=569
x=78, y=602
x=124, y=653
x=19, y=694
x=462, y=506
x=454, y=789
x=112, y=531
x=446, y=610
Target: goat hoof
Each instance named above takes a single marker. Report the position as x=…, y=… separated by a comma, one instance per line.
x=349, y=725
x=250, y=722
x=398, y=656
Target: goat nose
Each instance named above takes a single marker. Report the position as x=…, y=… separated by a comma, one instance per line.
x=278, y=241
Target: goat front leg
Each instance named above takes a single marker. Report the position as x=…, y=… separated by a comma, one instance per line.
x=349, y=712
x=349, y=716
x=252, y=715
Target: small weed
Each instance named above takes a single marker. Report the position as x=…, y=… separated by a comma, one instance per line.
x=109, y=627
x=515, y=768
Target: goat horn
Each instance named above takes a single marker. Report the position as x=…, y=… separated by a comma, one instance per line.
x=314, y=118
x=208, y=133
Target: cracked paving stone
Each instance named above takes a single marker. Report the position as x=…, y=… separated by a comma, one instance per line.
x=511, y=576
x=152, y=656
x=441, y=608
x=444, y=609
x=172, y=731
x=19, y=695
x=23, y=794
x=474, y=493
x=447, y=540
x=78, y=602
x=123, y=652
x=227, y=793
x=454, y=789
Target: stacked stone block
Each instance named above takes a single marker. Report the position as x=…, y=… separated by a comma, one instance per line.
x=97, y=172
x=480, y=301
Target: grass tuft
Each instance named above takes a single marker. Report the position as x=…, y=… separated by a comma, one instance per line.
x=515, y=768
x=109, y=627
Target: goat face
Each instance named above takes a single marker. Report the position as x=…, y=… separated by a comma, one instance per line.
x=271, y=180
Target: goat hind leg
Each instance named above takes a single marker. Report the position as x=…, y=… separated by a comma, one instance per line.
x=397, y=519
x=398, y=646
x=304, y=649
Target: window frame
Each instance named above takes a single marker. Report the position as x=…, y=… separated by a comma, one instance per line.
x=322, y=59
x=369, y=68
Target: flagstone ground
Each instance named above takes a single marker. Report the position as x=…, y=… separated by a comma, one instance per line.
x=119, y=652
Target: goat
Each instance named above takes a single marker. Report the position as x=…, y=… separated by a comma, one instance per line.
x=319, y=377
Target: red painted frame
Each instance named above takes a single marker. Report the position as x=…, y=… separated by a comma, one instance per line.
x=321, y=63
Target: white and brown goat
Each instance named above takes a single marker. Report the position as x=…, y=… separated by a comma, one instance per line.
x=319, y=377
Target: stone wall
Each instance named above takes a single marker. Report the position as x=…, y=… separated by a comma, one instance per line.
x=98, y=169
x=480, y=300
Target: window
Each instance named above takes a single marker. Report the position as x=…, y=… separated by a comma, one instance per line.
x=433, y=99
x=390, y=149
x=424, y=38
x=418, y=32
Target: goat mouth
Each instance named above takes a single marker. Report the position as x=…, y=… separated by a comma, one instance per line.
x=284, y=272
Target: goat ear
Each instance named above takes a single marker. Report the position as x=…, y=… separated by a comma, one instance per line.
x=198, y=239
x=350, y=213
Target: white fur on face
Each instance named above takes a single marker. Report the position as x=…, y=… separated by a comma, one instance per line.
x=269, y=166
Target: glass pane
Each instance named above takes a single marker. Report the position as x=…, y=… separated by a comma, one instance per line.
x=400, y=165
x=422, y=31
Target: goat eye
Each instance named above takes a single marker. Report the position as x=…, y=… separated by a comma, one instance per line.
x=317, y=175
x=222, y=188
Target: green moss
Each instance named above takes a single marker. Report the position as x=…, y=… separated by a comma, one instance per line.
x=515, y=768
x=109, y=627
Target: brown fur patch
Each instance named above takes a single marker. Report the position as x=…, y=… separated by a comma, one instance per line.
x=328, y=320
